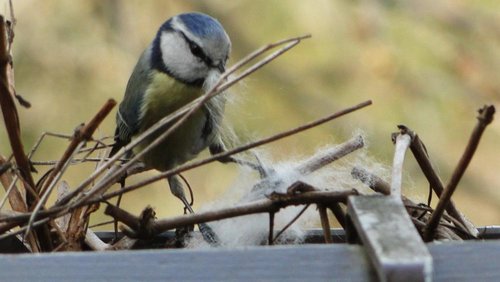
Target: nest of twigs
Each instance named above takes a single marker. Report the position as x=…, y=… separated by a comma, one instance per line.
x=63, y=225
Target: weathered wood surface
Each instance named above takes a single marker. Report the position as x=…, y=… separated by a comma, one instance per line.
x=466, y=261
x=391, y=240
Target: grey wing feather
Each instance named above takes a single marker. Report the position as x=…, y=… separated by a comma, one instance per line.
x=128, y=115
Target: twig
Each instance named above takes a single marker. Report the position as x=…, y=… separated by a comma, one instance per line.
x=12, y=124
x=16, y=200
x=402, y=143
x=485, y=117
x=101, y=224
x=338, y=213
x=9, y=110
x=216, y=157
x=421, y=156
x=182, y=113
x=325, y=224
x=317, y=161
x=123, y=216
x=331, y=155
x=274, y=203
x=41, y=138
x=94, y=242
x=376, y=183
x=379, y=185
x=290, y=223
x=3, y=230
x=81, y=135
x=270, y=240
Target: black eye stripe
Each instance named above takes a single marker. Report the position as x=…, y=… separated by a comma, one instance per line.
x=196, y=50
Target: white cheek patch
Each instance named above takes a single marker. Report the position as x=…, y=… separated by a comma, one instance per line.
x=178, y=58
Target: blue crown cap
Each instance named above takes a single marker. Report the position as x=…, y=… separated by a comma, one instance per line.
x=201, y=24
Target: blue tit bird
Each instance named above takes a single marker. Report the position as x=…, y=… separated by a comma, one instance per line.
x=186, y=58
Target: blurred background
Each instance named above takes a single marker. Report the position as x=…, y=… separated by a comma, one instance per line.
x=426, y=64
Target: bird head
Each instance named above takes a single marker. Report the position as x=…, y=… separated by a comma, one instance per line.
x=190, y=47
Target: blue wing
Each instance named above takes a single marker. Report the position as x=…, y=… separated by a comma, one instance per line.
x=128, y=115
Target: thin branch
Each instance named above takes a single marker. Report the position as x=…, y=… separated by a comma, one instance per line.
x=376, y=183
x=81, y=135
x=73, y=161
x=12, y=124
x=338, y=213
x=9, y=110
x=182, y=113
x=290, y=223
x=485, y=117
x=422, y=157
x=3, y=230
x=402, y=144
x=270, y=236
x=325, y=224
x=380, y=186
x=273, y=204
x=16, y=200
x=330, y=155
x=216, y=157
x=94, y=242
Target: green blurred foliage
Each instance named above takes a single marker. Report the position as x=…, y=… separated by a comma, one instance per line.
x=426, y=64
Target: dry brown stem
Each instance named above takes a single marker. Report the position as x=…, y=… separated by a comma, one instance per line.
x=179, y=116
x=421, y=156
x=351, y=145
x=325, y=224
x=485, y=117
x=12, y=124
x=82, y=134
x=272, y=204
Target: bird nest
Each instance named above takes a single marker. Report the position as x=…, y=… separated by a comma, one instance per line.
x=64, y=225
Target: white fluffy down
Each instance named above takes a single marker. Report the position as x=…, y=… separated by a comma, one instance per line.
x=253, y=229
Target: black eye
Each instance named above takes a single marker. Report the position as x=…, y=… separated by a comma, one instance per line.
x=196, y=50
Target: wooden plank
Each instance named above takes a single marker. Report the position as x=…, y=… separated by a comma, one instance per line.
x=304, y=263
x=453, y=261
x=312, y=236
x=390, y=238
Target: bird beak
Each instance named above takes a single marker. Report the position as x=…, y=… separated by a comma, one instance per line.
x=221, y=67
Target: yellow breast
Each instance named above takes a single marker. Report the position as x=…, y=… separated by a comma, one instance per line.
x=164, y=96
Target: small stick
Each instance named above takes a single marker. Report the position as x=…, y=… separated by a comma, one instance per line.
x=379, y=185
x=402, y=143
x=73, y=161
x=182, y=113
x=270, y=240
x=81, y=135
x=331, y=155
x=376, y=183
x=485, y=117
x=420, y=153
x=290, y=223
x=262, y=206
x=16, y=200
x=338, y=213
x=124, y=216
x=94, y=242
x=12, y=124
x=216, y=157
x=325, y=224
x=9, y=110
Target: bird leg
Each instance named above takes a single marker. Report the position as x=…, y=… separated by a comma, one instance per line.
x=177, y=190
